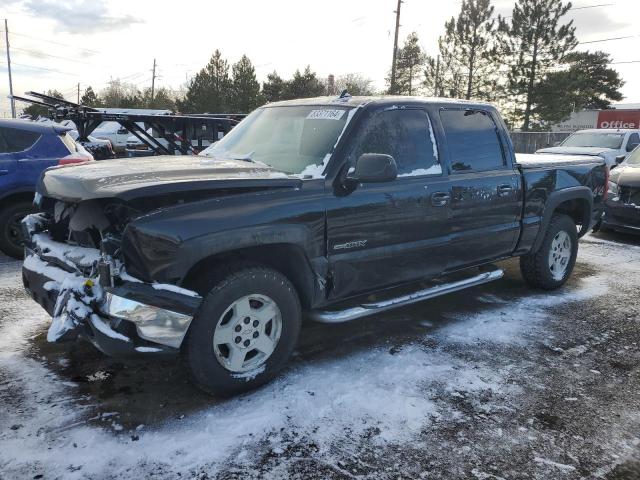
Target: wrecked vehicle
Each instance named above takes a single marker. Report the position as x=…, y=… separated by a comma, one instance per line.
x=338, y=208
x=622, y=207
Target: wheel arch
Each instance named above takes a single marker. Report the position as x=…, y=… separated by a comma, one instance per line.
x=287, y=258
x=576, y=202
x=14, y=196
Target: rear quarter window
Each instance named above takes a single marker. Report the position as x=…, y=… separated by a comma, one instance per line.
x=15, y=140
x=68, y=142
x=472, y=138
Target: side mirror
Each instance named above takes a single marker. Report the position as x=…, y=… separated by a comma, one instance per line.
x=620, y=159
x=556, y=144
x=373, y=168
x=631, y=146
x=122, y=131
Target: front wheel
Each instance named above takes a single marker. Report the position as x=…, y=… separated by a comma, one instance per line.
x=10, y=229
x=551, y=265
x=245, y=331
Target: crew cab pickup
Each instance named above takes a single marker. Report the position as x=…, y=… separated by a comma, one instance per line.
x=331, y=208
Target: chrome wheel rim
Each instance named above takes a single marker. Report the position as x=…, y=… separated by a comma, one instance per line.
x=559, y=255
x=247, y=333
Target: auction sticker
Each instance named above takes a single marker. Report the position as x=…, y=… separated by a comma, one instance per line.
x=326, y=114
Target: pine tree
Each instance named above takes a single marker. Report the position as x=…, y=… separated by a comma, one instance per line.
x=245, y=87
x=410, y=62
x=210, y=89
x=587, y=83
x=532, y=42
x=303, y=85
x=89, y=98
x=273, y=88
x=468, y=57
x=163, y=99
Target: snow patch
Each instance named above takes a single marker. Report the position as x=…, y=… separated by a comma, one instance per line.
x=432, y=170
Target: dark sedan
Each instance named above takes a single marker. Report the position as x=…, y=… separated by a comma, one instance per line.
x=622, y=208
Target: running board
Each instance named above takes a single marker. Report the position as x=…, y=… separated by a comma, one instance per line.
x=366, y=309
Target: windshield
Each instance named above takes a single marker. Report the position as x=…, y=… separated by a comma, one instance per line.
x=593, y=139
x=633, y=158
x=289, y=139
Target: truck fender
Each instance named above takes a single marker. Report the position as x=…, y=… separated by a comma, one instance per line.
x=558, y=197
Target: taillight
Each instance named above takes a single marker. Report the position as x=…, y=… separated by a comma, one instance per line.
x=605, y=195
x=75, y=158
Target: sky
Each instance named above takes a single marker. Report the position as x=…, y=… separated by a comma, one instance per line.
x=58, y=44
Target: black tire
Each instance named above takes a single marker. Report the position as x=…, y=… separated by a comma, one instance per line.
x=10, y=230
x=535, y=267
x=206, y=370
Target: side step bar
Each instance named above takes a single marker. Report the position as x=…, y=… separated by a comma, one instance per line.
x=366, y=309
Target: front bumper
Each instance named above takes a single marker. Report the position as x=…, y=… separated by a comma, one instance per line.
x=128, y=318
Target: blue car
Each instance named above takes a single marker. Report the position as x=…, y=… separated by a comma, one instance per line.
x=26, y=150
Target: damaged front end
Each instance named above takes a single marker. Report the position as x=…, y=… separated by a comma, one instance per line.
x=73, y=270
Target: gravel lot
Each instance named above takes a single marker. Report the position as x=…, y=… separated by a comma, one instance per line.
x=498, y=382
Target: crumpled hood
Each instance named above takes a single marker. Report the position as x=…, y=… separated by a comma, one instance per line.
x=134, y=178
x=576, y=150
x=626, y=176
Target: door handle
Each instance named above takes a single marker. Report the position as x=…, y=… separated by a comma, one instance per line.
x=4, y=172
x=440, y=199
x=504, y=190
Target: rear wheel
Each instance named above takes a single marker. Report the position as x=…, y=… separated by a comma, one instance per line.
x=245, y=331
x=10, y=229
x=551, y=266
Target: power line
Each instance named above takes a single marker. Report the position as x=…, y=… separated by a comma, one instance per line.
x=95, y=52
x=43, y=68
x=36, y=53
x=608, y=39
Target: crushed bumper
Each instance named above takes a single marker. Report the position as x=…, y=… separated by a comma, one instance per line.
x=624, y=218
x=128, y=318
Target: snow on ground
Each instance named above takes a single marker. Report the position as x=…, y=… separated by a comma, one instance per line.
x=388, y=397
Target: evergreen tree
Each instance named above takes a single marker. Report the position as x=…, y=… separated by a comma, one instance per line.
x=36, y=111
x=303, y=85
x=163, y=99
x=273, y=88
x=410, y=62
x=210, y=89
x=89, y=98
x=245, y=87
x=468, y=57
x=587, y=83
x=532, y=42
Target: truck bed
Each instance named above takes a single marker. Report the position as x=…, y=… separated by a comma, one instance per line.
x=545, y=160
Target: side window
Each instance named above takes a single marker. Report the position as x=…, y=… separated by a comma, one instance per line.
x=14, y=140
x=406, y=135
x=633, y=142
x=472, y=138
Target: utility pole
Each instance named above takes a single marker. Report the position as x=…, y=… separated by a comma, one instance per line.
x=153, y=79
x=6, y=37
x=78, y=102
x=392, y=84
x=436, y=82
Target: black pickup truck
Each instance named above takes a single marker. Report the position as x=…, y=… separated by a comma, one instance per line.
x=331, y=208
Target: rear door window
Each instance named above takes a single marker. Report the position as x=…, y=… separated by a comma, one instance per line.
x=406, y=135
x=16, y=140
x=473, y=141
